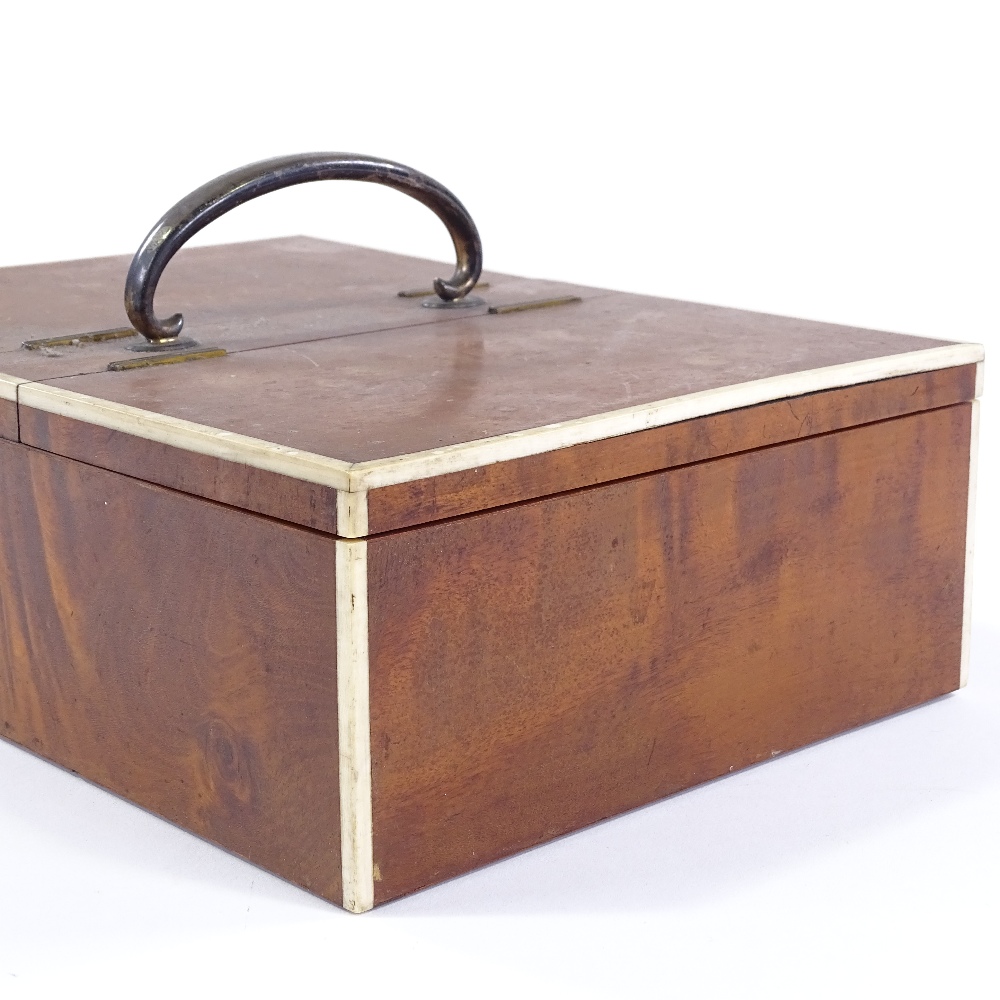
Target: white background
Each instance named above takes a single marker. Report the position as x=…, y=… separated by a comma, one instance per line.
x=833, y=161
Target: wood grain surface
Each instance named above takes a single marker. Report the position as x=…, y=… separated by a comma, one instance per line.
x=177, y=652
x=394, y=392
x=488, y=486
x=233, y=483
x=8, y=419
x=543, y=666
x=239, y=296
x=451, y=495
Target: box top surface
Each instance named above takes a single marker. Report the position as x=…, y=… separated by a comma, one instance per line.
x=239, y=297
x=332, y=378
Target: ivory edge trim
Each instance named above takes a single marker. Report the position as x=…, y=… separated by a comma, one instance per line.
x=551, y=437
x=9, y=385
x=360, y=477
x=187, y=435
x=352, y=514
x=354, y=727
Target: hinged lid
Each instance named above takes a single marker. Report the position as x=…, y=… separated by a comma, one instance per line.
x=343, y=406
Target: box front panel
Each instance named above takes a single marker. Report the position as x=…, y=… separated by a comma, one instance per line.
x=177, y=652
x=544, y=666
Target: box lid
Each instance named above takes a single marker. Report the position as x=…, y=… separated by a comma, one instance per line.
x=344, y=407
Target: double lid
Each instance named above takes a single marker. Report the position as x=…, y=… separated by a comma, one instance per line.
x=314, y=391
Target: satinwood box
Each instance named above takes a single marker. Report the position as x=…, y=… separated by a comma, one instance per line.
x=373, y=594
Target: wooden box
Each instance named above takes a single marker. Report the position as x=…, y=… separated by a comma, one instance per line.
x=385, y=593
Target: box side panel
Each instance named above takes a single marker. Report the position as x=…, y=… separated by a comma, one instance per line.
x=406, y=504
x=233, y=483
x=178, y=653
x=544, y=666
x=970, y=535
x=8, y=419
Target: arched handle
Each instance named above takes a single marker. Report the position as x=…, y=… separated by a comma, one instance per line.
x=217, y=197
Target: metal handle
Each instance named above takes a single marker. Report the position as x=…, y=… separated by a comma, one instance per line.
x=217, y=197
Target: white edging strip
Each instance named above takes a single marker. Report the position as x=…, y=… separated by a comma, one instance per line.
x=356, y=846
x=359, y=477
x=352, y=514
x=520, y=444
x=969, y=543
x=8, y=386
x=187, y=435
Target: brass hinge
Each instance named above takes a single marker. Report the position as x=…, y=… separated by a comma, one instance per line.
x=150, y=360
x=514, y=307
x=76, y=339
